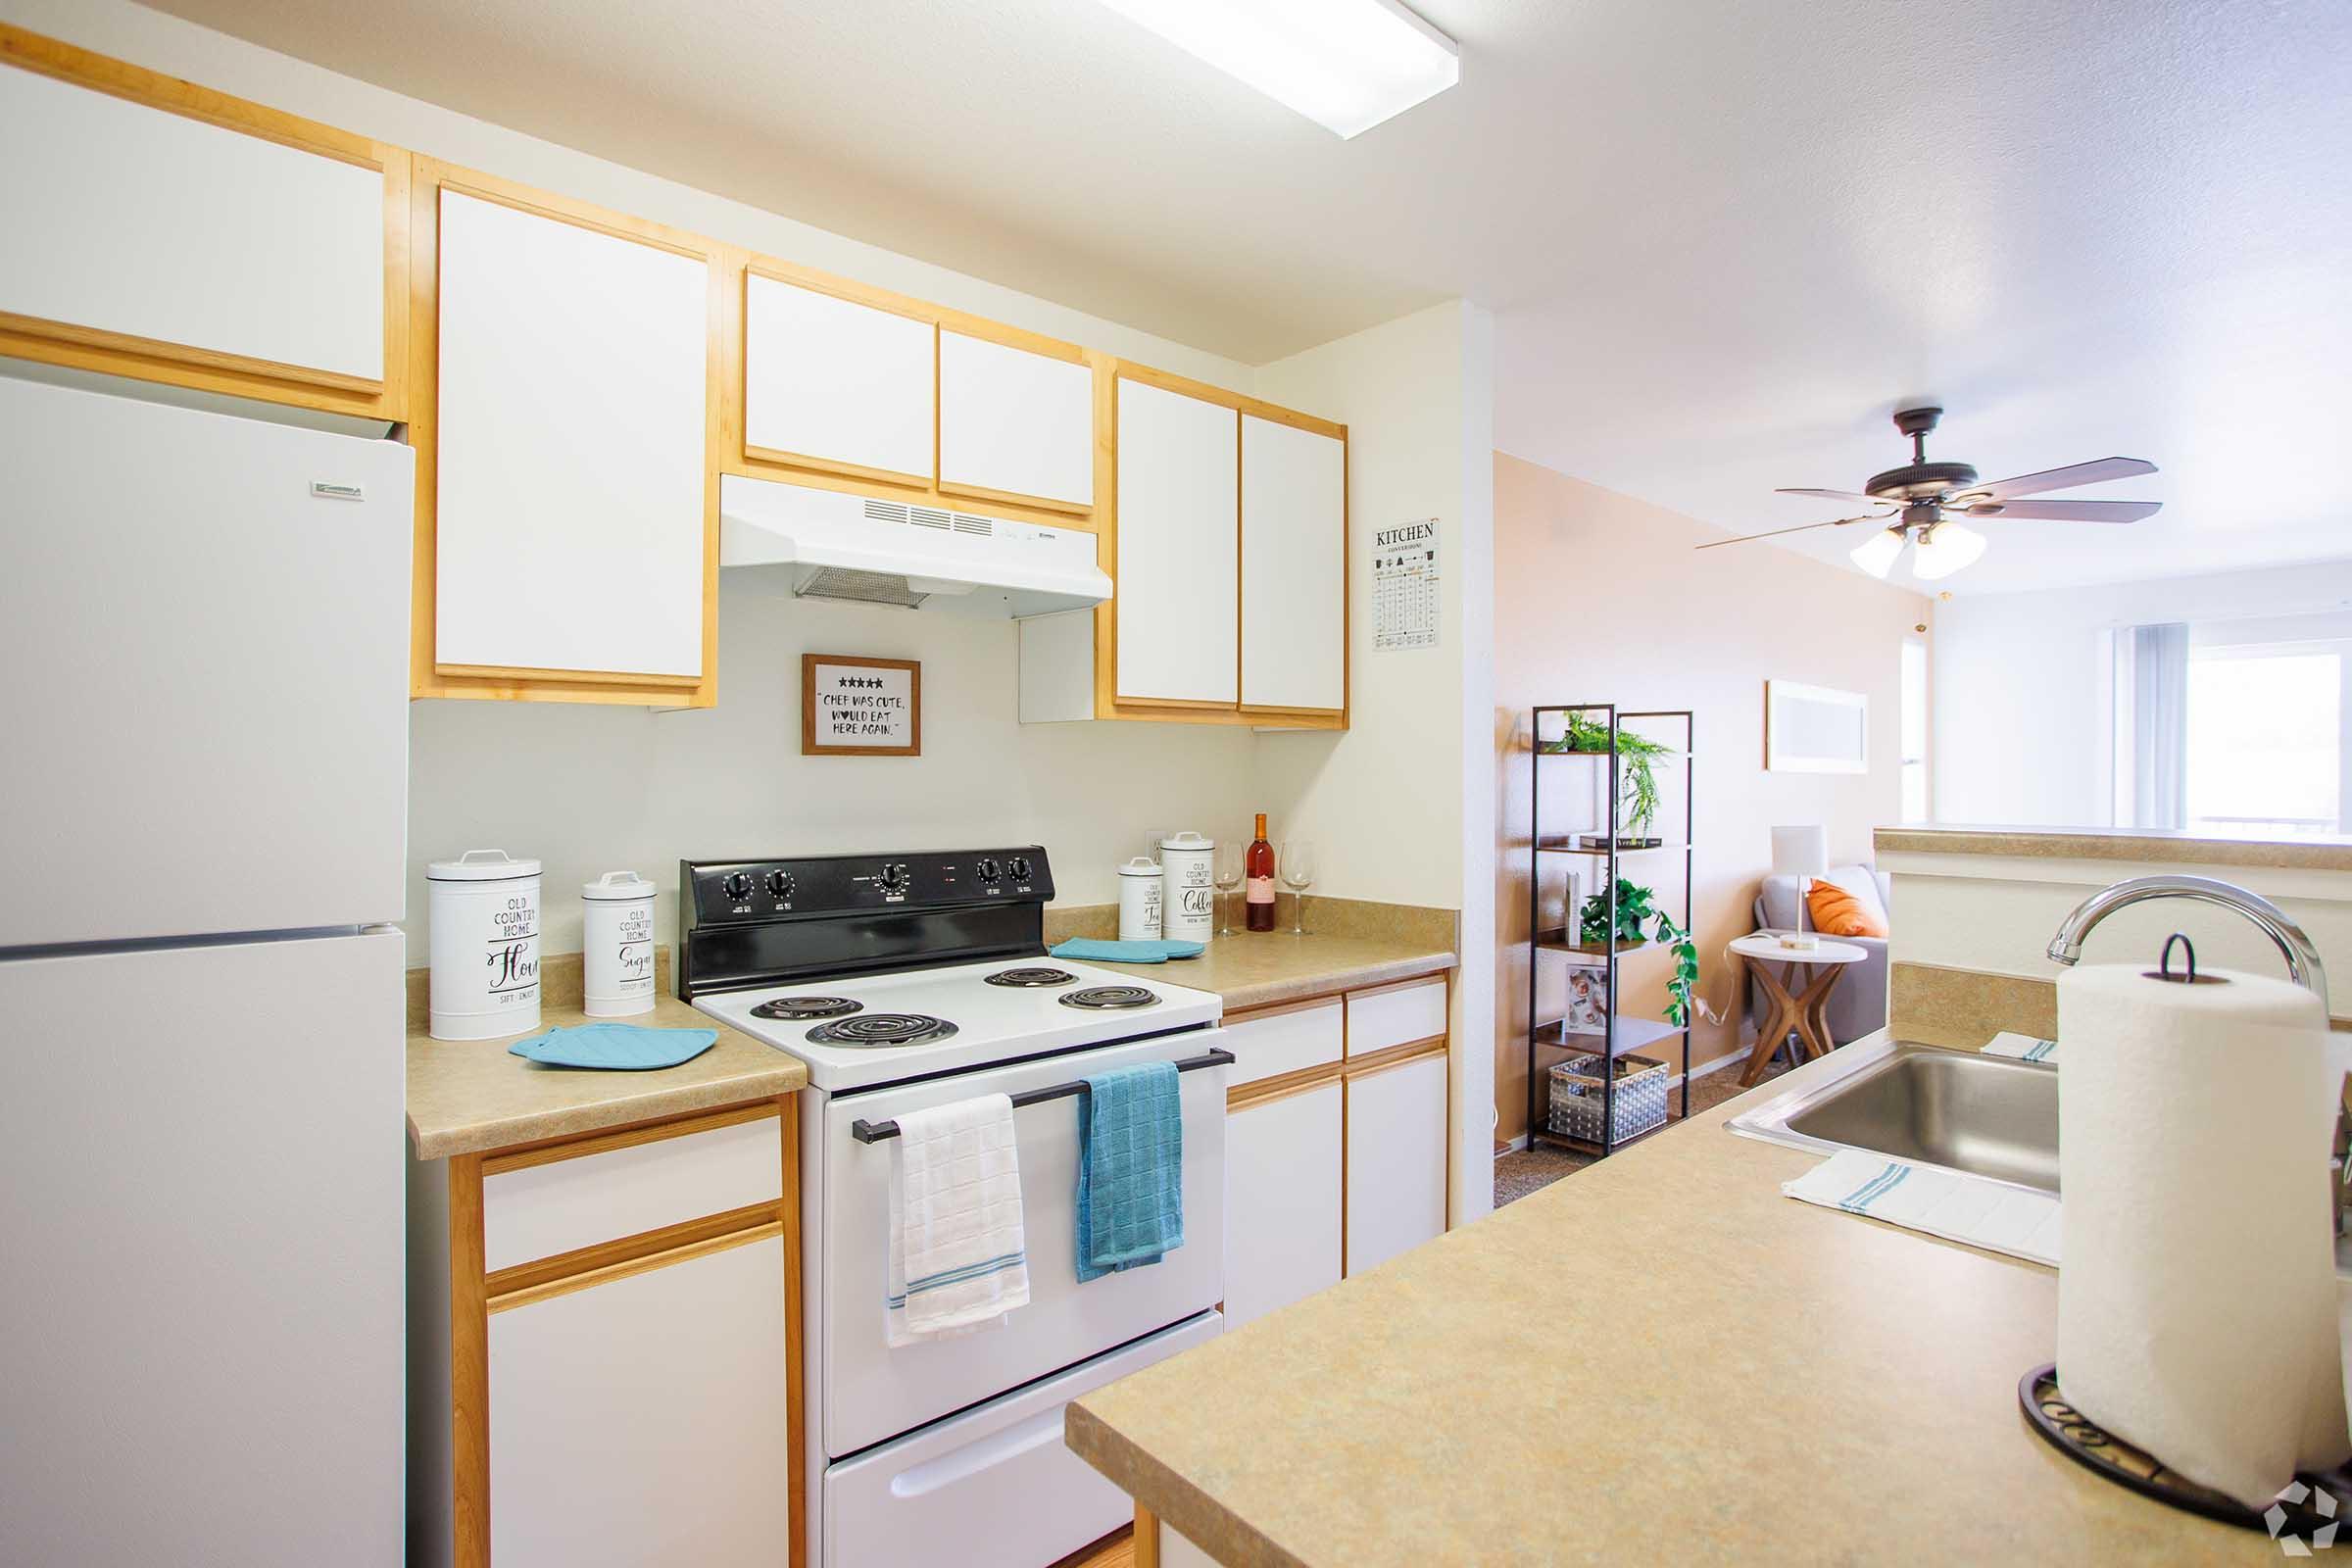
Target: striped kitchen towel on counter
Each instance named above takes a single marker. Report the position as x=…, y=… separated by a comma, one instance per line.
x=1993, y=1215
x=2025, y=1048
x=958, y=1261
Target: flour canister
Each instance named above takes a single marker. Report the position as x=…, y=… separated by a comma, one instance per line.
x=1189, y=899
x=1141, y=882
x=616, y=946
x=483, y=912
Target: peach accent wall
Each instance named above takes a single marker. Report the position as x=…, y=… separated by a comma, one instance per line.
x=1602, y=597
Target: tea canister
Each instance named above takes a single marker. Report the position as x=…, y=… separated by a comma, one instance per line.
x=1189, y=897
x=483, y=912
x=616, y=946
x=1141, y=882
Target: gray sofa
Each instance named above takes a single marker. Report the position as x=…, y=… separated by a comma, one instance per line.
x=1859, y=1004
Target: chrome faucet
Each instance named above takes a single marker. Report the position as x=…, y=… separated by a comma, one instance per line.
x=2303, y=964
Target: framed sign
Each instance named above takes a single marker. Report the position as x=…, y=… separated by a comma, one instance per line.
x=852, y=706
x=1814, y=729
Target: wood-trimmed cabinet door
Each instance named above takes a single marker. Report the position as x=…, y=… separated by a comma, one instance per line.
x=1294, y=568
x=161, y=231
x=642, y=1419
x=1396, y=1160
x=569, y=442
x=1282, y=1231
x=1016, y=421
x=837, y=384
x=1178, y=548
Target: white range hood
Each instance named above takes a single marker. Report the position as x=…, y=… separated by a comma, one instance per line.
x=825, y=544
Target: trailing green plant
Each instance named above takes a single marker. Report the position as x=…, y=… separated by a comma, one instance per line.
x=1634, y=909
x=1638, y=797
x=1684, y=981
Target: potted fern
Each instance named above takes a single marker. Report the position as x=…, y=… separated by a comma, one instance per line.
x=1638, y=796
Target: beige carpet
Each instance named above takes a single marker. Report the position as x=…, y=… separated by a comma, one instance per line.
x=1531, y=1170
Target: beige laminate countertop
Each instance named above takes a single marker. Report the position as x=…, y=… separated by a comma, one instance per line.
x=468, y=1096
x=1661, y=1359
x=1261, y=968
x=2330, y=854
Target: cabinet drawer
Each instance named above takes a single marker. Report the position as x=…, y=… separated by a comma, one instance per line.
x=1378, y=1019
x=537, y=1210
x=1277, y=1043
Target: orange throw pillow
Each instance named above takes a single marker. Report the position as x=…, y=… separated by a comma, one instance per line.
x=1839, y=913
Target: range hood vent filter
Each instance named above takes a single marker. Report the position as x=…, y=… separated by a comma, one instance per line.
x=858, y=587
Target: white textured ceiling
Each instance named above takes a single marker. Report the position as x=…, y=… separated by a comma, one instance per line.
x=1722, y=240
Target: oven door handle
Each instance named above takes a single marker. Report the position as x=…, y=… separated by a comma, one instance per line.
x=874, y=1132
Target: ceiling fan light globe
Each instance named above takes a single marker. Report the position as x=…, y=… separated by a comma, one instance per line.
x=1944, y=550
x=1877, y=554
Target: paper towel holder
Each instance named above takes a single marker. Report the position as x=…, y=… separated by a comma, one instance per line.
x=2189, y=976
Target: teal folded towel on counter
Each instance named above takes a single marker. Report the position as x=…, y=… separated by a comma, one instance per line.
x=1130, y=1169
x=1102, y=951
x=617, y=1047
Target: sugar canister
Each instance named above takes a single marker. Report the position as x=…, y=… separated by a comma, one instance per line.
x=1141, y=882
x=616, y=946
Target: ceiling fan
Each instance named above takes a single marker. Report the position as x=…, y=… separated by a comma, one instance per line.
x=1919, y=502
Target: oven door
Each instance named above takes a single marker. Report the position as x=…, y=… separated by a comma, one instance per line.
x=872, y=1392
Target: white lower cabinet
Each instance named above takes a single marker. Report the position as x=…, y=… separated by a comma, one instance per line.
x=642, y=1420
x=1395, y=1161
x=1281, y=1239
x=1177, y=1552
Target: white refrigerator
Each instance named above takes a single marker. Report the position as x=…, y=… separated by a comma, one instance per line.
x=203, y=624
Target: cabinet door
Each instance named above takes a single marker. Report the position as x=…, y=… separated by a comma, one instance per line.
x=1281, y=1214
x=1016, y=425
x=570, y=510
x=1293, y=568
x=1178, y=556
x=1395, y=1161
x=828, y=383
x=644, y=1420
x=140, y=231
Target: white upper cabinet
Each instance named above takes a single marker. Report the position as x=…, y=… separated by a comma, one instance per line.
x=1293, y=568
x=1178, y=555
x=1015, y=425
x=134, y=221
x=573, y=447
x=835, y=383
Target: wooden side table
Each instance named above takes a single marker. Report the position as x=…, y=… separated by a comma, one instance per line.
x=1805, y=1016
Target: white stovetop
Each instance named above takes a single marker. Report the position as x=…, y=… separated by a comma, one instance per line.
x=993, y=1023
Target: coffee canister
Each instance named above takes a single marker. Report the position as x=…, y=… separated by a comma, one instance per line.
x=483, y=912
x=1189, y=897
x=1139, y=884
x=616, y=946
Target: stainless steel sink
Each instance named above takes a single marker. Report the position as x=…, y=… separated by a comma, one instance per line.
x=1991, y=1116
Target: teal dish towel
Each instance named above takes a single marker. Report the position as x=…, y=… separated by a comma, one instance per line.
x=1101, y=952
x=1130, y=1169
x=614, y=1047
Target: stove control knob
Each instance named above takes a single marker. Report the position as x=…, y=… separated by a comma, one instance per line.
x=895, y=877
x=779, y=884
x=738, y=885
x=1019, y=869
x=988, y=868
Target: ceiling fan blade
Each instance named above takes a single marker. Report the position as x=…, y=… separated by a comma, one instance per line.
x=2065, y=511
x=1802, y=527
x=1836, y=495
x=2066, y=478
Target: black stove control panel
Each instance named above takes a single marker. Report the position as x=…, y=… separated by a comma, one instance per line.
x=823, y=886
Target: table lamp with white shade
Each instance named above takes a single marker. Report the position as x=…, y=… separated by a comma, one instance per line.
x=1802, y=853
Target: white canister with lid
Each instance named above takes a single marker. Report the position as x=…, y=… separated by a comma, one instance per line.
x=1140, y=883
x=616, y=946
x=1189, y=900
x=484, y=911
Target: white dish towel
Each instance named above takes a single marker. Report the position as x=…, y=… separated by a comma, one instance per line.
x=2026, y=1048
x=1993, y=1215
x=958, y=1258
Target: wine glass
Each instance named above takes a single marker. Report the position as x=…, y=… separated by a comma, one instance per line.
x=1228, y=874
x=1298, y=870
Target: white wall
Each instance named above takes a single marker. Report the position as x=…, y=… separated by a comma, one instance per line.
x=1401, y=805
x=2022, y=727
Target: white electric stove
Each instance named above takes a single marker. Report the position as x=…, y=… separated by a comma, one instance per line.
x=909, y=980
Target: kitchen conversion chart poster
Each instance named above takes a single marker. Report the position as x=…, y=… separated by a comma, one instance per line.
x=1405, y=585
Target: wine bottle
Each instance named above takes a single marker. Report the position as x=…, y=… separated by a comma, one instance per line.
x=1260, y=869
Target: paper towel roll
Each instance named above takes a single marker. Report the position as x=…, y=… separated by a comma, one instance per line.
x=2197, y=1304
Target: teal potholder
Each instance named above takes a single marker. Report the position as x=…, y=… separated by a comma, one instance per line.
x=619, y=1046
x=1102, y=951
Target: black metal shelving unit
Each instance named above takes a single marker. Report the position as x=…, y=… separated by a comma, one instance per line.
x=1618, y=1037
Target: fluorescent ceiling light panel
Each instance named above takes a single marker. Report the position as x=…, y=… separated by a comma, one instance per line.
x=1347, y=64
